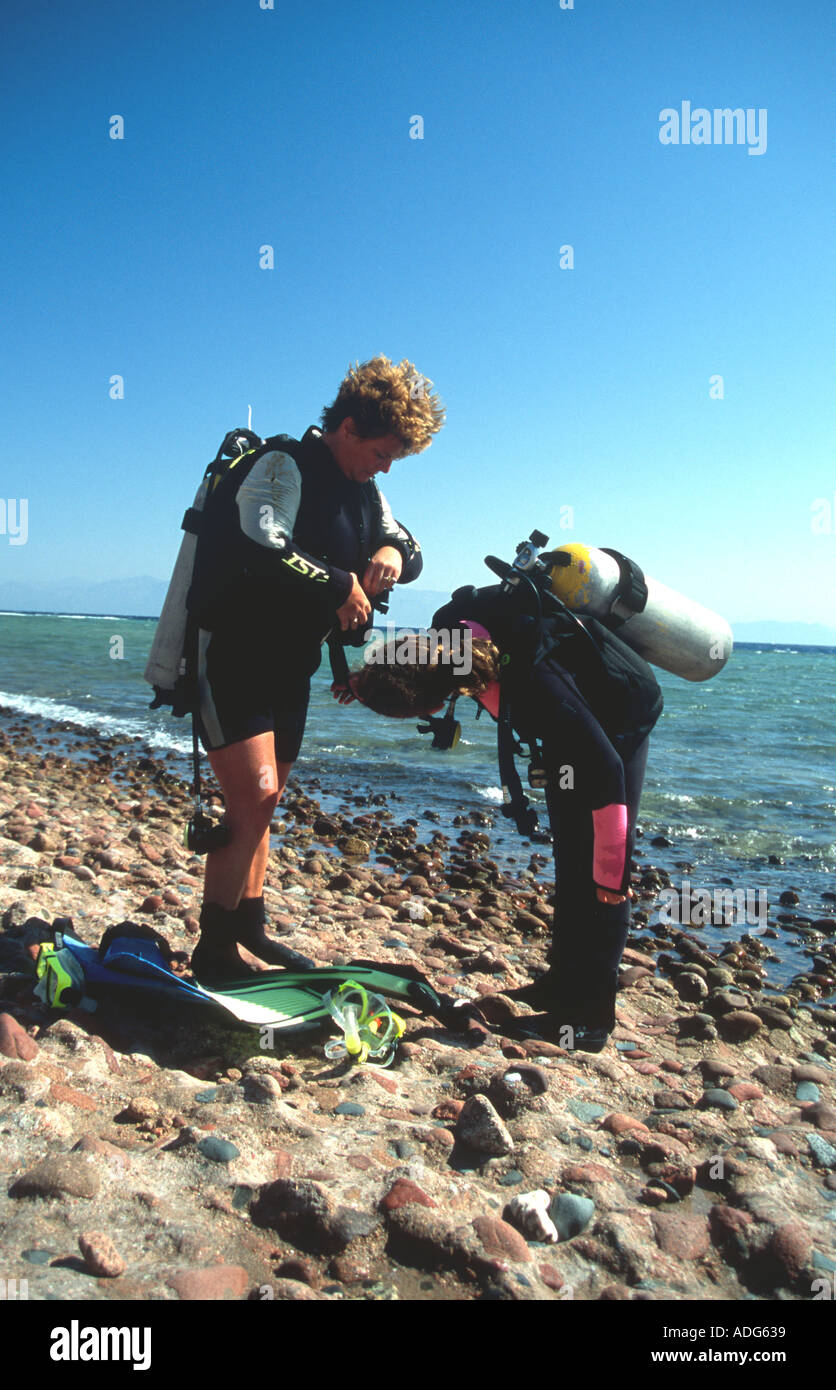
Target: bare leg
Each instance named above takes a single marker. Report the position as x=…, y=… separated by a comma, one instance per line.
x=252, y=784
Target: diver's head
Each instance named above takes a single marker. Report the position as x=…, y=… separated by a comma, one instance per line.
x=383, y=411
x=421, y=687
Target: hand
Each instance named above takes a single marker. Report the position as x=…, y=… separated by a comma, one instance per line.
x=342, y=693
x=356, y=609
x=607, y=895
x=383, y=570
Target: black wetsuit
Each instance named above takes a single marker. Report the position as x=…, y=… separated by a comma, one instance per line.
x=592, y=702
x=281, y=535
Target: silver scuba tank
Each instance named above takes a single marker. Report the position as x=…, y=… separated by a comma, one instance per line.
x=167, y=658
x=666, y=628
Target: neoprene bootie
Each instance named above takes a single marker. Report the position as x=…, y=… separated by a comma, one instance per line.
x=215, y=957
x=250, y=920
x=539, y=993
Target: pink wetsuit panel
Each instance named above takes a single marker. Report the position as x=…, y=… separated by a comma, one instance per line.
x=610, y=828
x=489, y=698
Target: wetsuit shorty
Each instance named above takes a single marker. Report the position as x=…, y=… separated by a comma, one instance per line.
x=593, y=720
x=281, y=536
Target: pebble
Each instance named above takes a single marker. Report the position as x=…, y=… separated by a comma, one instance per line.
x=684, y=1237
x=15, y=1042
x=499, y=1238
x=218, y=1282
x=480, y=1126
x=807, y=1090
x=218, y=1150
x=739, y=1025
x=584, y=1110
x=59, y=1177
x=570, y=1214
x=100, y=1255
x=719, y=1099
x=349, y=1107
x=823, y=1153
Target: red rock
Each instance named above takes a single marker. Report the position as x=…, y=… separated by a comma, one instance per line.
x=543, y=1049
x=633, y=975
x=66, y=861
x=745, y=1090
x=739, y=1025
x=282, y=1163
x=671, y=1064
x=785, y=1144
x=619, y=1123
x=403, y=1193
x=448, y=1109
x=727, y=1222
x=217, y=1282
x=823, y=1116
x=645, y=1068
x=442, y=1138
x=500, y=1239
x=586, y=1172
x=654, y=1196
x=15, y=1041
x=153, y=903
x=550, y=1276
x=100, y=1255
x=302, y=1270
x=70, y=1096
x=513, y=1051
x=388, y=1083
x=634, y=957
x=791, y=1245
x=684, y=1237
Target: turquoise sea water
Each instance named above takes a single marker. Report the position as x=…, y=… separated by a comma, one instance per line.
x=741, y=768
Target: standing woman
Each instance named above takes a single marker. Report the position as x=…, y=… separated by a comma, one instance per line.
x=592, y=702
x=295, y=541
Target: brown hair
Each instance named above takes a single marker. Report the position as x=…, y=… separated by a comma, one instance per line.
x=382, y=398
x=417, y=687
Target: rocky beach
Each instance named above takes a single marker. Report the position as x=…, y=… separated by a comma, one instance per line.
x=152, y=1155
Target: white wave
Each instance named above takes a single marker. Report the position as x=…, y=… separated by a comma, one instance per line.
x=493, y=794
x=55, y=712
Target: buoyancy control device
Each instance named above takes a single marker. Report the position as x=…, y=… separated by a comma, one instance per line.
x=169, y=668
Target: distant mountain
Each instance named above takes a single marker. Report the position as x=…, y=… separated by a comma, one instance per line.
x=137, y=598
x=794, y=634
x=143, y=597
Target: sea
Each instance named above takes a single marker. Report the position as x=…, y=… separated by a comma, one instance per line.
x=741, y=776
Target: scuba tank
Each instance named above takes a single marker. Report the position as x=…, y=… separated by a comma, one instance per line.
x=166, y=668
x=664, y=627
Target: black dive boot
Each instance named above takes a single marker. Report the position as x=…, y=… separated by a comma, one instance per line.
x=539, y=993
x=215, y=958
x=250, y=918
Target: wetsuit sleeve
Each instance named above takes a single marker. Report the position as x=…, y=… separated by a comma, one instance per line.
x=392, y=533
x=573, y=739
x=268, y=503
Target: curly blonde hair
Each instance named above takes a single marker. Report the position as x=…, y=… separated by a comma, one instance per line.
x=382, y=398
x=415, y=688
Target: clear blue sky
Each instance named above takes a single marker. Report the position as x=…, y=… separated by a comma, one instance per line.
x=586, y=387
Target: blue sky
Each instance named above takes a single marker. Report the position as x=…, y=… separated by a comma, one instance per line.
x=586, y=388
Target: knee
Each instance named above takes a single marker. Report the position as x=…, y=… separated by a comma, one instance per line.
x=253, y=812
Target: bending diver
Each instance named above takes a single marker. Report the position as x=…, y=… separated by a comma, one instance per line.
x=592, y=701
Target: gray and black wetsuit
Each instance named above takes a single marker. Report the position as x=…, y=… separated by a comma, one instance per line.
x=281, y=535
